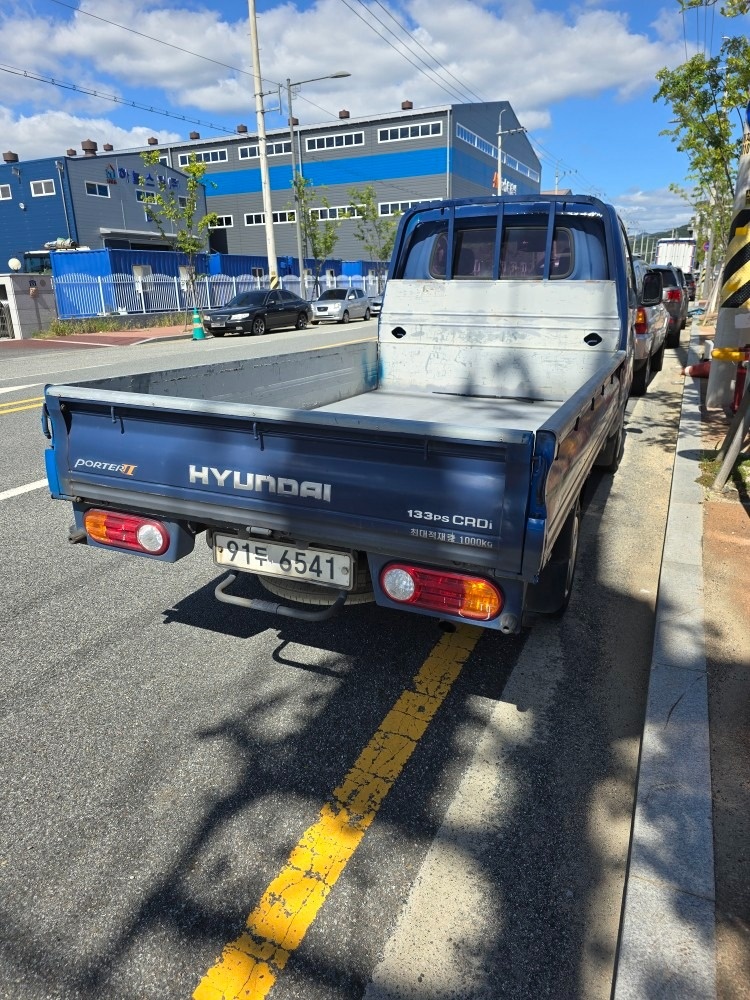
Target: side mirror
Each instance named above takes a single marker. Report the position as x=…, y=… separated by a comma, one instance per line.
x=653, y=288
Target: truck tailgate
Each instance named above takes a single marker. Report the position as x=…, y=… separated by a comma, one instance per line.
x=408, y=488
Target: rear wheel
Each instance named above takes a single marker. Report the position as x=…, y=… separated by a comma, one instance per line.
x=259, y=326
x=301, y=323
x=610, y=455
x=657, y=360
x=551, y=594
x=640, y=378
x=366, y=315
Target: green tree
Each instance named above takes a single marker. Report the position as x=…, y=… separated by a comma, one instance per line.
x=319, y=236
x=707, y=97
x=376, y=232
x=191, y=232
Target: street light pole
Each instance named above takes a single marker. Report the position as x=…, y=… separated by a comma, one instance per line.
x=265, y=182
x=297, y=168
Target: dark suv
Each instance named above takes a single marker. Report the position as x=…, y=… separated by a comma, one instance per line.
x=690, y=282
x=675, y=298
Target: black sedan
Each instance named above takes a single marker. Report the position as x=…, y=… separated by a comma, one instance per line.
x=257, y=313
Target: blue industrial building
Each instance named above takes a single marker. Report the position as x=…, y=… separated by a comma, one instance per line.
x=98, y=201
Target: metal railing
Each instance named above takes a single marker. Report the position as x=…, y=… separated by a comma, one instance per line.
x=80, y=296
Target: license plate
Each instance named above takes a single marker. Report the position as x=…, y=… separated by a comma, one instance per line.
x=217, y=326
x=331, y=569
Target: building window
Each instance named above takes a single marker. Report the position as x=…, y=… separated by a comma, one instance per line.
x=402, y=132
x=164, y=159
x=335, y=212
x=259, y=218
x=248, y=152
x=335, y=140
x=5, y=194
x=278, y=148
x=97, y=190
x=182, y=201
x=395, y=207
x=204, y=156
x=147, y=196
x=223, y=222
x=39, y=189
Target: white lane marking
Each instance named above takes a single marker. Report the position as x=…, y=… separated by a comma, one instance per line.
x=23, y=489
x=18, y=388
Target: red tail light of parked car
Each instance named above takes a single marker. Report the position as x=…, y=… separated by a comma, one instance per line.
x=641, y=320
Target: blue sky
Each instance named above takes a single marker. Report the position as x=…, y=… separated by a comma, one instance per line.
x=581, y=77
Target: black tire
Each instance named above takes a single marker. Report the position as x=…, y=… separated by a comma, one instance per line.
x=657, y=360
x=345, y=318
x=301, y=323
x=673, y=338
x=551, y=594
x=366, y=315
x=640, y=378
x=611, y=454
x=258, y=327
x=218, y=333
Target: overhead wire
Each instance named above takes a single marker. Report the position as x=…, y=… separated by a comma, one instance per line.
x=180, y=48
x=443, y=85
x=431, y=55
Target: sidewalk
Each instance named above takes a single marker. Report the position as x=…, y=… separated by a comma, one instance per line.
x=686, y=920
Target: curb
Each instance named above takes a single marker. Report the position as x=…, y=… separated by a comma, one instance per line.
x=667, y=936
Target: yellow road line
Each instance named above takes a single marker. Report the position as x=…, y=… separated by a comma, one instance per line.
x=249, y=965
x=20, y=404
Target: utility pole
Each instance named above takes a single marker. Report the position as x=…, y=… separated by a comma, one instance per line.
x=265, y=183
x=500, y=134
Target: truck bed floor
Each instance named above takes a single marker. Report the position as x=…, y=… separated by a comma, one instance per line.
x=447, y=408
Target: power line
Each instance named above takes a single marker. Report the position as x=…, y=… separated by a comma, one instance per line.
x=443, y=86
x=179, y=48
x=111, y=97
x=430, y=54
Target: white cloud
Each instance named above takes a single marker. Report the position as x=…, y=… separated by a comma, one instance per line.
x=653, y=211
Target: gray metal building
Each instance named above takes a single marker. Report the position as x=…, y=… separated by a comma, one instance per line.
x=408, y=156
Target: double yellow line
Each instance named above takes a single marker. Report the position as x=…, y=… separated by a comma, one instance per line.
x=20, y=404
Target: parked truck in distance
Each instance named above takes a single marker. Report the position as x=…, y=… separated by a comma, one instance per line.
x=680, y=252
x=437, y=470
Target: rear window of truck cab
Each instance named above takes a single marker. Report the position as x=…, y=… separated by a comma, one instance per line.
x=577, y=250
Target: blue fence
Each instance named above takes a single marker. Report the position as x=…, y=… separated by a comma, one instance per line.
x=106, y=282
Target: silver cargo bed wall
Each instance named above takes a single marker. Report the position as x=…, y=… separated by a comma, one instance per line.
x=535, y=339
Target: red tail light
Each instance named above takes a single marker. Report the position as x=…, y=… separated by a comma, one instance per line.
x=674, y=295
x=641, y=320
x=127, y=531
x=470, y=597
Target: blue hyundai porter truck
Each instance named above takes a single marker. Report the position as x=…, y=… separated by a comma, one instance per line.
x=437, y=470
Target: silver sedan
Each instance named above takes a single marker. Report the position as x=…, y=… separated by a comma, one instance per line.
x=340, y=305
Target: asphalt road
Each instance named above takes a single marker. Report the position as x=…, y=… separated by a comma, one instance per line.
x=164, y=754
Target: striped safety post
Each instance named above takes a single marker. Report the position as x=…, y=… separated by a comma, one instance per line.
x=733, y=321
